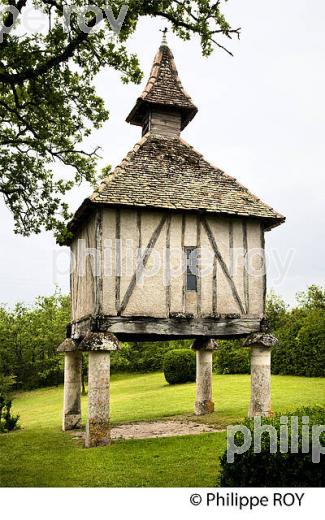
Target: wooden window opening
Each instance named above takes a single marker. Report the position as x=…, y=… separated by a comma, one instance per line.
x=191, y=268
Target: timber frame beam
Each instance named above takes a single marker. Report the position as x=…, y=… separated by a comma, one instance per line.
x=179, y=327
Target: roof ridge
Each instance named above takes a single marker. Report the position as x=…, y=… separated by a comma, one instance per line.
x=178, y=79
x=153, y=75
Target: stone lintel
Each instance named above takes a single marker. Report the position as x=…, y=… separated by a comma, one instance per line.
x=204, y=344
x=260, y=339
x=68, y=345
x=99, y=342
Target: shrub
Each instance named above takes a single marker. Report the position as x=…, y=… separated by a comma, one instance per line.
x=8, y=422
x=143, y=357
x=180, y=366
x=232, y=358
x=278, y=469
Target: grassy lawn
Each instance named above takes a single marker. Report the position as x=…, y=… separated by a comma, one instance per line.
x=41, y=455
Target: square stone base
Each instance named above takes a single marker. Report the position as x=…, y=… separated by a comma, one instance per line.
x=97, y=434
x=203, y=407
x=71, y=422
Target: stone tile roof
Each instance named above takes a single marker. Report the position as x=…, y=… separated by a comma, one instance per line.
x=164, y=88
x=167, y=173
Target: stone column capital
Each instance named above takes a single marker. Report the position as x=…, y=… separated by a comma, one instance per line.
x=99, y=342
x=205, y=344
x=68, y=345
x=260, y=339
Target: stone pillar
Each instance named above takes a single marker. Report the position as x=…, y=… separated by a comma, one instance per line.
x=71, y=419
x=99, y=345
x=204, y=350
x=260, y=344
x=97, y=429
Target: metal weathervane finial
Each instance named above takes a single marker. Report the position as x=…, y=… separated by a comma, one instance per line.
x=164, y=38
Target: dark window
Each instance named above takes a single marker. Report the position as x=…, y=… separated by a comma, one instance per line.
x=146, y=126
x=191, y=268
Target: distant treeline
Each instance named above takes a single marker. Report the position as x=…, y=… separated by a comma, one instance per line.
x=29, y=337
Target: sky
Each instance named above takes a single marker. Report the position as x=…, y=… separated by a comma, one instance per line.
x=261, y=119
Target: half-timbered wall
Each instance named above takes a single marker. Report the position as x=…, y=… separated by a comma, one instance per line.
x=82, y=277
x=141, y=250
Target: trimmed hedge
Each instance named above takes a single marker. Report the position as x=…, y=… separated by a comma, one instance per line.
x=301, y=347
x=278, y=469
x=143, y=357
x=180, y=366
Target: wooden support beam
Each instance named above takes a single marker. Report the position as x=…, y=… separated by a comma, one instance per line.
x=223, y=264
x=168, y=267
x=198, y=264
x=118, y=260
x=127, y=328
x=183, y=262
x=264, y=267
x=99, y=262
x=246, y=267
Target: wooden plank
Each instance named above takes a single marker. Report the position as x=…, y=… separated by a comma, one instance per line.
x=167, y=277
x=89, y=281
x=223, y=264
x=264, y=267
x=74, y=278
x=139, y=228
x=183, y=262
x=246, y=267
x=141, y=327
x=231, y=247
x=198, y=265
x=165, y=124
x=79, y=328
x=118, y=260
x=142, y=264
x=215, y=286
x=99, y=262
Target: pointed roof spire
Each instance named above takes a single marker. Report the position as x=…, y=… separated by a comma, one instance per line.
x=164, y=90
